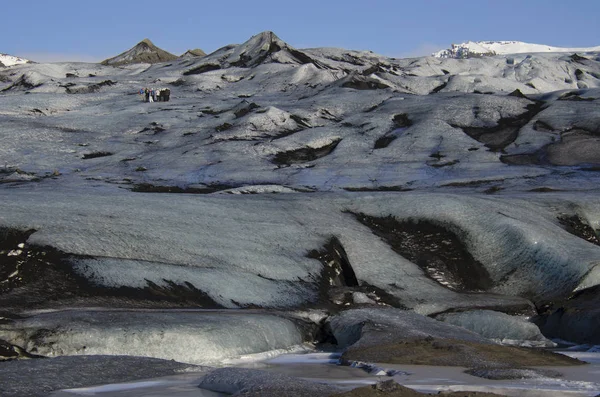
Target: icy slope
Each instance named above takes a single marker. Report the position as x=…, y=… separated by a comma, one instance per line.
x=271, y=251
x=479, y=48
x=184, y=336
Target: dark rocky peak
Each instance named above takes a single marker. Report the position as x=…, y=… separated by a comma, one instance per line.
x=146, y=43
x=266, y=47
x=144, y=46
x=143, y=52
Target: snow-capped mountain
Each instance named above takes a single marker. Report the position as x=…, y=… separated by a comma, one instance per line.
x=143, y=52
x=10, y=60
x=483, y=48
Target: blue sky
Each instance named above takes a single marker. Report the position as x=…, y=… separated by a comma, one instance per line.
x=52, y=30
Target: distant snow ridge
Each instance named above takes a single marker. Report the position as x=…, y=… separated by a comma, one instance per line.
x=473, y=49
x=10, y=60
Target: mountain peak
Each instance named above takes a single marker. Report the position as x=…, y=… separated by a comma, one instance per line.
x=143, y=52
x=266, y=47
x=10, y=60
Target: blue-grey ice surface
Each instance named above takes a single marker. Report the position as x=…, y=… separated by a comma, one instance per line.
x=195, y=337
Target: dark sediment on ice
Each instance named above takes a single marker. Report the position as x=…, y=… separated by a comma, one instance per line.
x=41, y=277
x=576, y=319
x=575, y=225
x=434, y=248
x=338, y=282
x=400, y=121
x=207, y=189
x=506, y=131
x=304, y=155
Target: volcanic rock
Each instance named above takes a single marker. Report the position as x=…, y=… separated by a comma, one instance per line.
x=143, y=52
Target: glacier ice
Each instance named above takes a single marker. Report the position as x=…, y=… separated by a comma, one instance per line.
x=262, y=242
x=185, y=336
x=501, y=327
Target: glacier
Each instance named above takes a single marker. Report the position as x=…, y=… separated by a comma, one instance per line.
x=282, y=187
x=114, y=249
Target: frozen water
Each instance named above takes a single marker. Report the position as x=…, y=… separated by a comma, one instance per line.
x=41, y=376
x=575, y=381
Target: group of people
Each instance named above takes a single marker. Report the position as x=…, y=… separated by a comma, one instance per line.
x=155, y=95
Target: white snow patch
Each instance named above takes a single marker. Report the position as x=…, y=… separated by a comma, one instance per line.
x=478, y=48
x=11, y=60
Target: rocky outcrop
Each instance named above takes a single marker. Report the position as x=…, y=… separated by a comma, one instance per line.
x=396, y=336
x=266, y=47
x=197, y=52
